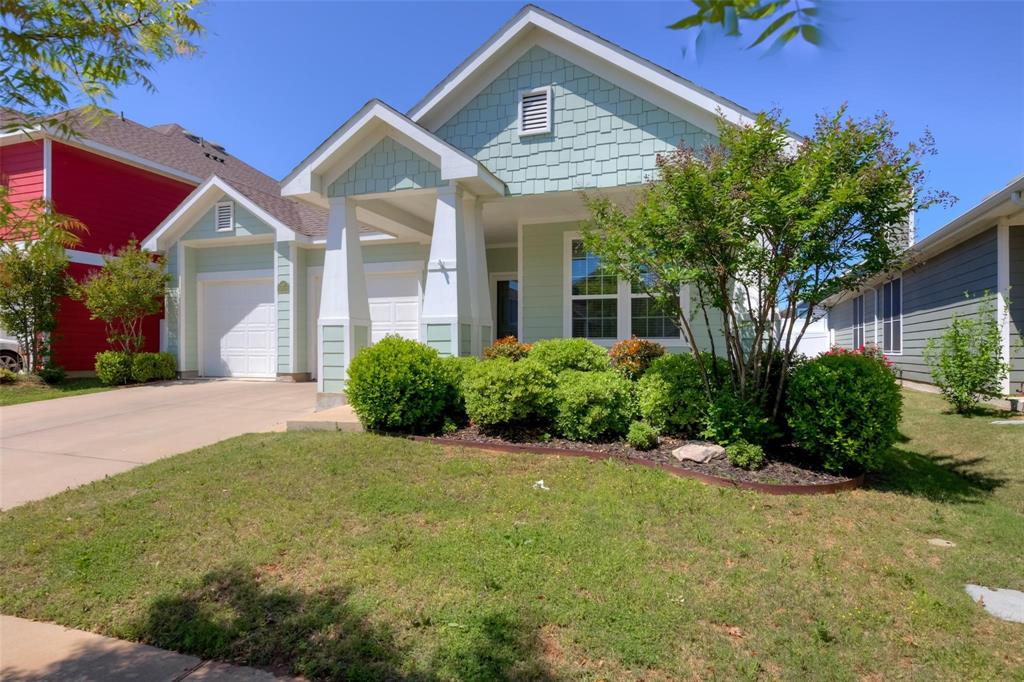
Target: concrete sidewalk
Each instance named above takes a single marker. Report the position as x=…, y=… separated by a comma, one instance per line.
x=43, y=651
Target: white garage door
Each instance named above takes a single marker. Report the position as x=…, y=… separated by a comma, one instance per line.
x=394, y=305
x=238, y=329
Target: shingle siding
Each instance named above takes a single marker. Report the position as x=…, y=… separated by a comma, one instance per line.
x=387, y=167
x=603, y=136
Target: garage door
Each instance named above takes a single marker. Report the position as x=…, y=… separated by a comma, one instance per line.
x=238, y=329
x=394, y=305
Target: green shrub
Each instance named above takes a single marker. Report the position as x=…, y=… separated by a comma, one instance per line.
x=114, y=368
x=966, y=361
x=730, y=419
x=670, y=394
x=633, y=356
x=559, y=355
x=642, y=436
x=844, y=408
x=154, y=367
x=745, y=455
x=399, y=385
x=507, y=347
x=455, y=371
x=52, y=373
x=501, y=393
x=593, y=406
x=7, y=376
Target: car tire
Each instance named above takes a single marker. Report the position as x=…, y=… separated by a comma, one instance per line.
x=10, y=360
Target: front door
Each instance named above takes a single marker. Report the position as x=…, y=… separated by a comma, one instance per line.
x=506, y=307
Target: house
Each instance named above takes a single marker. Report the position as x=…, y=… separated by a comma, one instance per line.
x=981, y=251
x=453, y=223
x=121, y=179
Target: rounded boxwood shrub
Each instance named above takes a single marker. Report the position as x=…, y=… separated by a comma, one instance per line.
x=113, y=368
x=559, y=355
x=642, y=436
x=845, y=409
x=593, y=406
x=731, y=419
x=670, y=394
x=399, y=385
x=745, y=455
x=633, y=356
x=456, y=369
x=501, y=393
x=52, y=373
x=153, y=367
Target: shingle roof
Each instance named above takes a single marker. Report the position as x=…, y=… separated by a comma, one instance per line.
x=171, y=145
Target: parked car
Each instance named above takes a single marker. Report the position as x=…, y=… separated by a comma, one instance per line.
x=10, y=353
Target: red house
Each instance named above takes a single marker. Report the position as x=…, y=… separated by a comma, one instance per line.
x=121, y=179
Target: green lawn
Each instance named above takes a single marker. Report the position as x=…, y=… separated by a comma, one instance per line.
x=31, y=391
x=361, y=557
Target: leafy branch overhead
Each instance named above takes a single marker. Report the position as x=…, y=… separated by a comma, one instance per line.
x=783, y=20
x=60, y=54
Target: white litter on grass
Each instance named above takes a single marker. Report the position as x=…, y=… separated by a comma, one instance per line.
x=539, y=485
x=939, y=542
x=1004, y=604
x=1009, y=422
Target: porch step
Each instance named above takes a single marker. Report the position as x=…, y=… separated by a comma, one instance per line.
x=341, y=418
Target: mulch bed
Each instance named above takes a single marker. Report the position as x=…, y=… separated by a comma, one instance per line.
x=783, y=470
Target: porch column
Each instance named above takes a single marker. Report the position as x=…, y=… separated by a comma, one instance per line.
x=445, y=323
x=479, y=287
x=1003, y=293
x=344, y=321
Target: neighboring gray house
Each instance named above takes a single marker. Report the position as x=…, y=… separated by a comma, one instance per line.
x=947, y=272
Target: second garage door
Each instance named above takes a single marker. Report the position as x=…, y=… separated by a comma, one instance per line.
x=394, y=305
x=238, y=328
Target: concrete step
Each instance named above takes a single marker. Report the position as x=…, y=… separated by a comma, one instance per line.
x=341, y=418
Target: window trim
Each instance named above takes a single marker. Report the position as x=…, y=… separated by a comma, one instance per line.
x=854, y=326
x=624, y=297
x=231, y=216
x=546, y=89
x=880, y=312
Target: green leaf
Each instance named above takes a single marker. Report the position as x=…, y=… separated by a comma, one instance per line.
x=688, y=22
x=773, y=27
x=811, y=34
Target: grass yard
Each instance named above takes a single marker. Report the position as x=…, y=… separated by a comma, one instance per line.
x=29, y=391
x=360, y=557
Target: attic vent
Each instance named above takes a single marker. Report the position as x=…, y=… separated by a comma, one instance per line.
x=224, y=215
x=535, y=111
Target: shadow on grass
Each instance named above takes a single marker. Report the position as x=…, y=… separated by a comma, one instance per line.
x=233, y=616
x=936, y=477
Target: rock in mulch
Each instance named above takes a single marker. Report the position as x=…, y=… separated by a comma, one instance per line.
x=1001, y=603
x=698, y=451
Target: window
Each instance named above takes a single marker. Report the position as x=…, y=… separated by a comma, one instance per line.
x=507, y=308
x=601, y=306
x=535, y=111
x=892, y=316
x=224, y=215
x=858, y=321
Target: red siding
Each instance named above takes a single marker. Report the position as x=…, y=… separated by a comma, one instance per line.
x=79, y=339
x=115, y=201
x=21, y=172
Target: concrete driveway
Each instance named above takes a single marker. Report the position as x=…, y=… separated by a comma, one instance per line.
x=48, y=446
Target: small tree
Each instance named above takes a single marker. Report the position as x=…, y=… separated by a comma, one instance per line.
x=967, y=360
x=761, y=226
x=129, y=287
x=32, y=272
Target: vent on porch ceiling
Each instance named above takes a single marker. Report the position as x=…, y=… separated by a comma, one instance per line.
x=224, y=215
x=535, y=111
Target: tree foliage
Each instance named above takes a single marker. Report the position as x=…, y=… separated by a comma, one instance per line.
x=128, y=288
x=32, y=266
x=783, y=20
x=764, y=228
x=967, y=360
x=58, y=54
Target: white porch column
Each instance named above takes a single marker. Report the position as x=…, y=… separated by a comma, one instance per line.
x=344, y=321
x=445, y=323
x=1003, y=292
x=479, y=284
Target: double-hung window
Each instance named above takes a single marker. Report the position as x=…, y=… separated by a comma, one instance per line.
x=858, y=321
x=892, y=316
x=646, y=319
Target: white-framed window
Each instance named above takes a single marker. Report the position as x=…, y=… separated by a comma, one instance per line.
x=892, y=316
x=224, y=216
x=858, y=321
x=535, y=111
x=604, y=308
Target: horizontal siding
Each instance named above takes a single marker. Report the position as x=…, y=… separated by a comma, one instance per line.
x=21, y=171
x=231, y=258
x=393, y=253
x=504, y=259
x=1017, y=308
x=840, y=323
x=542, y=287
x=283, y=294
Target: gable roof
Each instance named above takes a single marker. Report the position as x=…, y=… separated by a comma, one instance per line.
x=171, y=150
x=535, y=26
x=374, y=121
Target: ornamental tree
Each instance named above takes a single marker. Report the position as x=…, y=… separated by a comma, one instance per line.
x=764, y=228
x=128, y=288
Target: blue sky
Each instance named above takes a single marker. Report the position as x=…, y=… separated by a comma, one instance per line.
x=275, y=78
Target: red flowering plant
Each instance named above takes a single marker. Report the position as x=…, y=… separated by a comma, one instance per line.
x=633, y=356
x=507, y=347
x=868, y=350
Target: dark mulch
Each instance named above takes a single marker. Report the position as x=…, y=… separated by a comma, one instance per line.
x=784, y=467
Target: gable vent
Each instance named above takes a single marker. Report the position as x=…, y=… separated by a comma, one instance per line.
x=224, y=215
x=535, y=111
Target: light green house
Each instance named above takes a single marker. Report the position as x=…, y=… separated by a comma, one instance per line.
x=454, y=223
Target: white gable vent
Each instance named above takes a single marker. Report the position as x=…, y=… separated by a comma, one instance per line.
x=535, y=111
x=224, y=215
